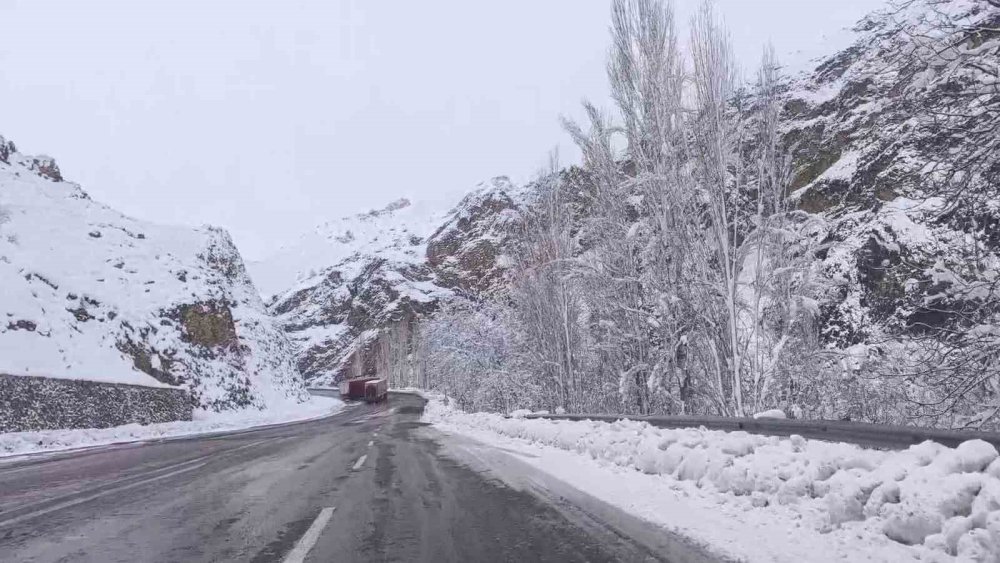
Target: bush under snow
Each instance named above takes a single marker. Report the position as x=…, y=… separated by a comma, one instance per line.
x=945, y=501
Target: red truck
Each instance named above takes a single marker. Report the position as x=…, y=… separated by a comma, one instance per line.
x=369, y=389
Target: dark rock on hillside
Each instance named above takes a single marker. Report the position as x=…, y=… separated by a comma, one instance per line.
x=467, y=251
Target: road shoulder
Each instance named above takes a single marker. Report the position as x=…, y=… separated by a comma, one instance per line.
x=603, y=520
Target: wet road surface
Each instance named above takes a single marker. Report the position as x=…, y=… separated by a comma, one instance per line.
x=371, y=483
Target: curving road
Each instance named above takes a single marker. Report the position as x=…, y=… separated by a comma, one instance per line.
x=371, y=483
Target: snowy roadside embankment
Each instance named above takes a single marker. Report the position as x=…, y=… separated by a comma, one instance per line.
x=19, y=443
x=762, y=498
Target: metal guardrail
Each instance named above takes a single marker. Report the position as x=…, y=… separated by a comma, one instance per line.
x=861, y=433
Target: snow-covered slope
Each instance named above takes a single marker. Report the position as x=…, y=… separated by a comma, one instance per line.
x=398, y=232
x=88, y=293
x=897, y=150
x=341, y=285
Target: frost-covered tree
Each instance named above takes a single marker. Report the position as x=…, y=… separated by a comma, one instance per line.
x=395, y=354
x=668, y=275
x=645, y=79
x=468, y=354
x=548, y=299
x=691, y=224
x=5, y=237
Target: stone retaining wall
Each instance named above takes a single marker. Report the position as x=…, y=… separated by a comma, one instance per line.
x=43, y=403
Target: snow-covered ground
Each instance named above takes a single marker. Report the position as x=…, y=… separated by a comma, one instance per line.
x=19, y=443
x=759, y=498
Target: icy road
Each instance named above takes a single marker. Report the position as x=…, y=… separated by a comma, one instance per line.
x=371, y=483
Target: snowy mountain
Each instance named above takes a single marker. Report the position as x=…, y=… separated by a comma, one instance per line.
x=341, y=285
x=897, y=151
x=88, y=293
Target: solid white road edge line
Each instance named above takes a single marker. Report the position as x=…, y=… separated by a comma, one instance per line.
x=360, y=462
x=309, y=539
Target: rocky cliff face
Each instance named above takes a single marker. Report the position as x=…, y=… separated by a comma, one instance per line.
x=467, y=252
x=887, y=155
x=88, y=293
x=358, y=276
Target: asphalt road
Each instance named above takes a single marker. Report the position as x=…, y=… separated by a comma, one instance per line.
x=369, y=484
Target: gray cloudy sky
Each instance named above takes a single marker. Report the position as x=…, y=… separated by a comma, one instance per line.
x=267, y=117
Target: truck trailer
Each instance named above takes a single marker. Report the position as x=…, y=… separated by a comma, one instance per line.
x=368, y=389
x=354, y=389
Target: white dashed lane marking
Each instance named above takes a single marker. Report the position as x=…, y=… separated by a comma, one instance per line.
x=309, y=539
x=360, y=462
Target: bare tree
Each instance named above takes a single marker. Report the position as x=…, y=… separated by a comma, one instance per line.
x=680, y=279
x=546, y=295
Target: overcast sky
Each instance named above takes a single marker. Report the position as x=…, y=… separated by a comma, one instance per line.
x=267, y=117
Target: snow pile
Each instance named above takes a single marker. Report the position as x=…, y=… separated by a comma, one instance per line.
x=929, y=501
x=20, y=443
x=88, y=293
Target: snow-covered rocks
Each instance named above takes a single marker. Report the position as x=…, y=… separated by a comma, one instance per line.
x=342, y=286
x=88, y=293
x=894, y=151
x=932, y=502
x=339, y=285
x=468, y=250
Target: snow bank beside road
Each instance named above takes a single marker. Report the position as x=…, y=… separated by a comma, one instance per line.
x=769, y=498
x=19, y=443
